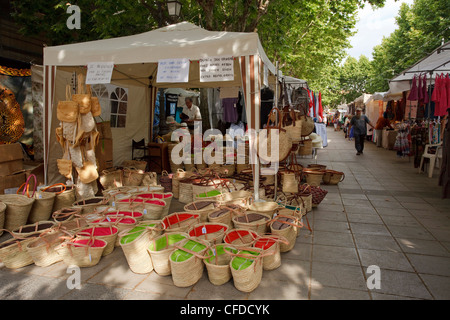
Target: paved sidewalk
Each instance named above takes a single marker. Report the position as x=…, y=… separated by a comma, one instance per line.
x=384, y=213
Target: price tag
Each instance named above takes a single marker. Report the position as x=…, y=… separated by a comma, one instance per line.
x=113, y=203
x=204, y=230
x=108, y=218
x=145, y=211
x=90, y=258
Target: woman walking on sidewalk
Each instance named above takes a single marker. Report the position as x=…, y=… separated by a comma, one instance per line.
x=359, y=124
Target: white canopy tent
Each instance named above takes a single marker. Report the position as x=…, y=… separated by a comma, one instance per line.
x=136, y=63
x=436, y=63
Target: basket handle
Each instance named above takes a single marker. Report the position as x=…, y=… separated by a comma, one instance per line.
x=56, y=185
x=26, y=186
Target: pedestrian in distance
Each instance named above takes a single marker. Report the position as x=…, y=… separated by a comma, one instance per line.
x=359, y=125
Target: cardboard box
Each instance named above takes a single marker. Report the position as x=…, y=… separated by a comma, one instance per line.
x=11, y=158
x=12, y=181
x=104, y=154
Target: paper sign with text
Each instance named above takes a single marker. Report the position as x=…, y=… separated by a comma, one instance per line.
x=173, y=70
x=217, y=69
x=99, y=72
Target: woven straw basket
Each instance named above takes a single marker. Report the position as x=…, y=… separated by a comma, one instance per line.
x=211, y=232
x=202, y=208
x=240, y=237
x=217, y=263
x=42, y=207
x=240, y=197
x=42, y=249
x=305, y=147
x=222, y=215
x=81, y=252
x=254, y=221
x=134, y=243
x=65, y=195
x=2, y=216
x=161, y=248
x=152, y=209
x=247, y=268
x=133, y=177
x=290, y=183
x=166, y=197
x=286, y=226
x=267, y=207
x=90, y=204
x=180, y=221
x=107, y=233
x=186, y=262
x=270, y=245
x=333, y=177
x=18, y=209
x=35, y=228
x=122, y=223
x=313, y=177
x=66, y=214
x=13, y=253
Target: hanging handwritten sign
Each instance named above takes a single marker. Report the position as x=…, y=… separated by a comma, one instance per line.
x=173, y=70
x=217, y=69
x=99, y=72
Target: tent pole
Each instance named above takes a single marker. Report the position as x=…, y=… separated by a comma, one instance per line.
x=276, y=105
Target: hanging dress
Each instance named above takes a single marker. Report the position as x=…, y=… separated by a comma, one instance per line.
x=426, y=97
x=413, y=94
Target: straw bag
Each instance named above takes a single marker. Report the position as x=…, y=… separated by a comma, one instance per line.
x=161, y=248
x=287, y=227
x=153, y=209
x=64, y=195
x=81, y=252
x=67, y=111
x=217, y=263
x=18, y=208
x=270, y=245
x=185, y=189
x=122, y=223
x=137, y=215
x=150, y=179
x=180, y=221
x=186, y=262
x=2, y=216
x=253, y=221
x=317, y=166
x=202, y=207
x=318, y=194
x=65, y=164
x=307, y=124
x=290, y=182
x=81, y=97
x=246, y=268
x=13, y=253
x=240, y=237
x=107, y=233
x=135, y=242
x=166, y=181
x=111, y=178
x=306, y=196
x=333, y=177
x=267, y=207
x=305, y=147
x=222, y=215
x=88, y=172
x=132, y=177
x=210, y=195
x=90, y=204
x=264, y=141
x=166, y=197
x=66, y=214
x=33, y=229
x=96, y=108
x=313, y=177
x=209, y=231
x=240, y=197
x=294, y=130
x=42, y=248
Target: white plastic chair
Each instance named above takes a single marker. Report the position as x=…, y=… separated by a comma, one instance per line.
x=431, y=156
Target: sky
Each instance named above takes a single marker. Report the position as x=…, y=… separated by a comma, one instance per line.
x=372, y=26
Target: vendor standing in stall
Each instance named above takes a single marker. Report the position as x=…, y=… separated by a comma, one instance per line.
x=190, y=112
x=382, y=122
x=359, y=123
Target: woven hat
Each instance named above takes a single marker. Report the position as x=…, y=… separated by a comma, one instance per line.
x=170, y=120
x=358, y=109
x=316, y=140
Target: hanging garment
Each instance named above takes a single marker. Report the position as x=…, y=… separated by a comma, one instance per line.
x=320, y=107
x=444, y=176
x=440, y=96
x=426, y=97
x=413, y=94
x=230, y=113
x=419, y=90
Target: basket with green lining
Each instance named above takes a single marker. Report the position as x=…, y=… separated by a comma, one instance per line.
x=217, y=263
x=180, y=221
x=246, y=268
x=134, y=243
x=121, y=222
x=208, y=231
x=160, y=249
x=209, y=195
x=186, y=262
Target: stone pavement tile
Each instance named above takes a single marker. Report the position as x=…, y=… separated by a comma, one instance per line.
x=335, y=254
x=426, y=247
x=446, y=244
x=430, y=264
x=417, y=206
x=329, y=207
x=384, y=259
x=393, y=212
x=331, y=215
x=351, y=196
x=293, y=271
x=364, y=218
x=305, y=235
x=435, y=223
x=406, y=221
x=382, y=296
x=377, y=197
x=360, y=209
x=139, y=295
x=205, y=290
x=433, y=214
x=410, y=199
x=301, y=251
x=410, y=232
x=337, y=275
x=91, y=291
x=375, y=242
x=402, y=284
x=20, y=286
x=167, y=290
x=328, y=225
x=438, y=285
x=442, y=235
x=356, y=202
x=333, y=239
x=369, y=229
x=331, y=293
x=118, y=275
x=386, y=204
x=279, y=291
